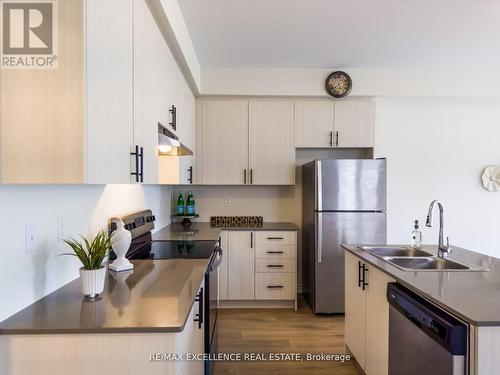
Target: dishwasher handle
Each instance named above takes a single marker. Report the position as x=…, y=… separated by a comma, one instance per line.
x=442, y=327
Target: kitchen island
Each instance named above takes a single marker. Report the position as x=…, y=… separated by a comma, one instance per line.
x=153, y=309
x=471, y=296
x=141, y=312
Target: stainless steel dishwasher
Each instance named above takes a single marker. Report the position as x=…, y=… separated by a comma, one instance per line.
x=423, y=339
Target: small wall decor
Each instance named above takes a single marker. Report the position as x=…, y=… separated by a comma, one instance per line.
x=491, y=178
x=237, y=221
x=338, y=84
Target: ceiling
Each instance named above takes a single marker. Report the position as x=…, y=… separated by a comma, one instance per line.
x=422, y=34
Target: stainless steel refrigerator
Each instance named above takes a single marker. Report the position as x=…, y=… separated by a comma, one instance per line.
x=343, y=201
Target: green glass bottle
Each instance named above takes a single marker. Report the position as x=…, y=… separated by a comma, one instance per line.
x=190, y=205
x=180, y=205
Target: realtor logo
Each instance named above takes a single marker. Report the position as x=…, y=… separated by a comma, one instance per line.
x=29, y=34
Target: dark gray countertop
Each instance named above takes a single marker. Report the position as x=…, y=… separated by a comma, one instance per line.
x=156, y=297
x=202, y=231
x=195, y=232
x=472, y=296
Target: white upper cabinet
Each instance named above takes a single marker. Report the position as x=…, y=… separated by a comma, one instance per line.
x=348, y=123
x=153, y=91
x=109, y=90
x=271, y=142
x=129, y=92
x=314, y=123
x=246, y=142
x=354, y=123
x=224, y=126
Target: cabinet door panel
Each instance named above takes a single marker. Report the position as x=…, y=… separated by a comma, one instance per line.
x=314, y=123
x=355, y=310
x=271, y=142
x=42, y=131
x=155, y=87
x=109, y=90
x=355, y=123
x=225, y=141
x=190, y=340
x=377, y=323
x=241, y=266
x=275, y=286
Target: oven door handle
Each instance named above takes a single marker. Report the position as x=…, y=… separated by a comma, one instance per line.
x=218, y=262
x=200, y=314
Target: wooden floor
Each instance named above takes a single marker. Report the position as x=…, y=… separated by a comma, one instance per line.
x=281, y=331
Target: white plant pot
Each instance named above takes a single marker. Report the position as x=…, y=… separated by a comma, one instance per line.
x=93, y=281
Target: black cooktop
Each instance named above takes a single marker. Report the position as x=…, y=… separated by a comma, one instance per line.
x=143, y=247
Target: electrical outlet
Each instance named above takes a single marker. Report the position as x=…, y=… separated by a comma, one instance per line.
x=61, y=230
x=227, y=201
x=31, y=236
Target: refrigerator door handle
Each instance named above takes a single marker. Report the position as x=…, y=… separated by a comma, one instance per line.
x=319, y=186
x=319, y=239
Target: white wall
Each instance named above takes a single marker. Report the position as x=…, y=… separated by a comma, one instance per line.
x=83, y=208
x=366, y=82
x=437, y=148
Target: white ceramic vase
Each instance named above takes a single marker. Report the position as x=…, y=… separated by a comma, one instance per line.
x=121, y=243
x=93, y=281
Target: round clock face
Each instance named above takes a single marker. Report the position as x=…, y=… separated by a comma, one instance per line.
x=338, y=84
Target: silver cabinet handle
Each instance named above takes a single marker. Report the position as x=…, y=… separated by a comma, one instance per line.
x=275, y=266
x=319, y=239
x=319, y=187
x=274, y=252
x=275, y=238
x=337, y=138
x=275, y=287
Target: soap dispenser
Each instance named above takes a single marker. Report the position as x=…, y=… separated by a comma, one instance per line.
x=416, y=237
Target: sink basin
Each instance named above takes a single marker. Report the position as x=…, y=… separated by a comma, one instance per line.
x=426, y=264
x=388, y=251
x=409, y=259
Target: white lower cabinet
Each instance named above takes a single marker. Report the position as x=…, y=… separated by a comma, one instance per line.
x=190, y=341
x=258, y=265
x=275, y=286
x=367, y=315
x=240, y=273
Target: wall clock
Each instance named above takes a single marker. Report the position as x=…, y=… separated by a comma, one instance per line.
x=338, y=84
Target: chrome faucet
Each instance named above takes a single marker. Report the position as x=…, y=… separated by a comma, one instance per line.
x=443, y=250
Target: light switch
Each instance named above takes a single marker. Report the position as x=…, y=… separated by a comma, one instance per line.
x=61, y=230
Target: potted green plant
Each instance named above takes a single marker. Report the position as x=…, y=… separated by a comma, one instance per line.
x=91, y=254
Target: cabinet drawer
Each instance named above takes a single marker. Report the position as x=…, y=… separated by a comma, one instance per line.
x=275, y=286
x=275, y=265
x=275, y=252
x=275, y=238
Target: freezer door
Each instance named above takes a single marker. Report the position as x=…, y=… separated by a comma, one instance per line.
x=332, y=230
x=351, y=185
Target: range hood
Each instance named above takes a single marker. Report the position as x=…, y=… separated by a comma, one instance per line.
x=169, y=144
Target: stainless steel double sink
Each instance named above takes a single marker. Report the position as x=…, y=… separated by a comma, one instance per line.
x=410, y=259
